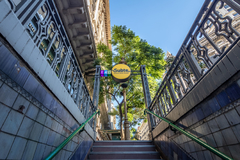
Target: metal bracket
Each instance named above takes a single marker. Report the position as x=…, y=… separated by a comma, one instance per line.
x=172, y=129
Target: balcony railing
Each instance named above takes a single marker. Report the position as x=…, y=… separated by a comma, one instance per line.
x=216, y=29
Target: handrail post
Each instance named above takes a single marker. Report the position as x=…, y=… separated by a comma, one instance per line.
x=65, y=142
x=205, y=145
x=147, y=96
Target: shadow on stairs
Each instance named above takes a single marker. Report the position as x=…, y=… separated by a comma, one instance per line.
x=117, y=150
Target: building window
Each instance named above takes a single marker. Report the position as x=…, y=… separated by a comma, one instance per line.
x=230, y=9
x=226, y=6
x=235, y=14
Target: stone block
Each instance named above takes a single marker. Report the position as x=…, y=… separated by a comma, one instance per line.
x=207, y=155
x=233, y=92
x=238, y=109
x=1, y=83
x=224, y=72
x=15, y=33
x=194, y=155
x=54, y=125
x=39, y=152
x=213, y=125
x=67, y=154
x=210, y=140
x=68, y=146
x=234, y=149
x=21, y=104
x=57, y=140
x=191, y=146
x=198, y=147
x=41, y=117
x=51, y=138
x=22, y=41
x=38, y=61
x=31, y=85
x=32, y=111
x=222, y=122
x=233, y=117
x=4, y=10
x=29, y=150
x=229, y=136
x=8, y=23
x=62, y=155
x=49, y=121
x=236, y=130
x=13, y=122
x=17, y=148
x=44, y=66
x=231, y=69
x=6, y=142
x=60, y=129
x=223, y=99
x=27, y=51
x=225, y=150
x=36, y=131
x=47, y=151
x=8, y=95
x=232, y=55
x=26, y=127
x=215, y=157
x=3, y=114
x=219, y=139
x=204, y=129
x=40, y=93
x=200, y=155
x=44, y=135
x=47, y=74
x=73, y=146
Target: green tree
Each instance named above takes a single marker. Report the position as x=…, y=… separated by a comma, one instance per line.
x=136, y=52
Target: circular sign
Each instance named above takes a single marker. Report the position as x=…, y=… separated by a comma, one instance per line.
x=121, y=73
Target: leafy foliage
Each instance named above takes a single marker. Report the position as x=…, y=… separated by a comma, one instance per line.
x=136, y=52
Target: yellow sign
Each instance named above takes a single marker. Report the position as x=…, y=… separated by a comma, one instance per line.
x=121, y=72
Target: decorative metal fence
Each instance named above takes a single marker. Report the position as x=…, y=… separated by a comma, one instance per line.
x=215, y=30
x=44, y=25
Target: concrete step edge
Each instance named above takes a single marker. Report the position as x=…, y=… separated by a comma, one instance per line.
x=121, y=141
x=122, y=159
x=126, y=152
x=116, y=146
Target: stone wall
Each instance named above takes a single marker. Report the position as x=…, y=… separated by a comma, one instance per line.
x=216, y=121
x=32, y=121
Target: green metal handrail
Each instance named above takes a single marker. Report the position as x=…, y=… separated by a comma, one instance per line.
x=205, y=145
x=64, y=143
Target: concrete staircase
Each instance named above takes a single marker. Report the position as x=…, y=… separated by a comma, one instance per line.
x=117, y=150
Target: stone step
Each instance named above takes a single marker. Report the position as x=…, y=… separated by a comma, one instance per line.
x=121, y=159
x=123, y=148
x=102, y=143
x=125, y=155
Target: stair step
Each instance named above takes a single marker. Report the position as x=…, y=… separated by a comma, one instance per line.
x=125, y=155
x=123, y=148
x=121, y=159
x=122, y=143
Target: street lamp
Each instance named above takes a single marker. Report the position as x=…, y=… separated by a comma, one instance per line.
x=126, y=123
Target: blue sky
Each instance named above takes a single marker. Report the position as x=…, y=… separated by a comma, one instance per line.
x=163, y=23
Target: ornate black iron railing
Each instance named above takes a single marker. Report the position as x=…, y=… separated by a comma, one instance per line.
x=215, y=30
x=43, y=23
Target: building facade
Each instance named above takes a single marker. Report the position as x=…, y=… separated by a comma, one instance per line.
x=143, y=132
x=225, y=14
x=47, y=50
